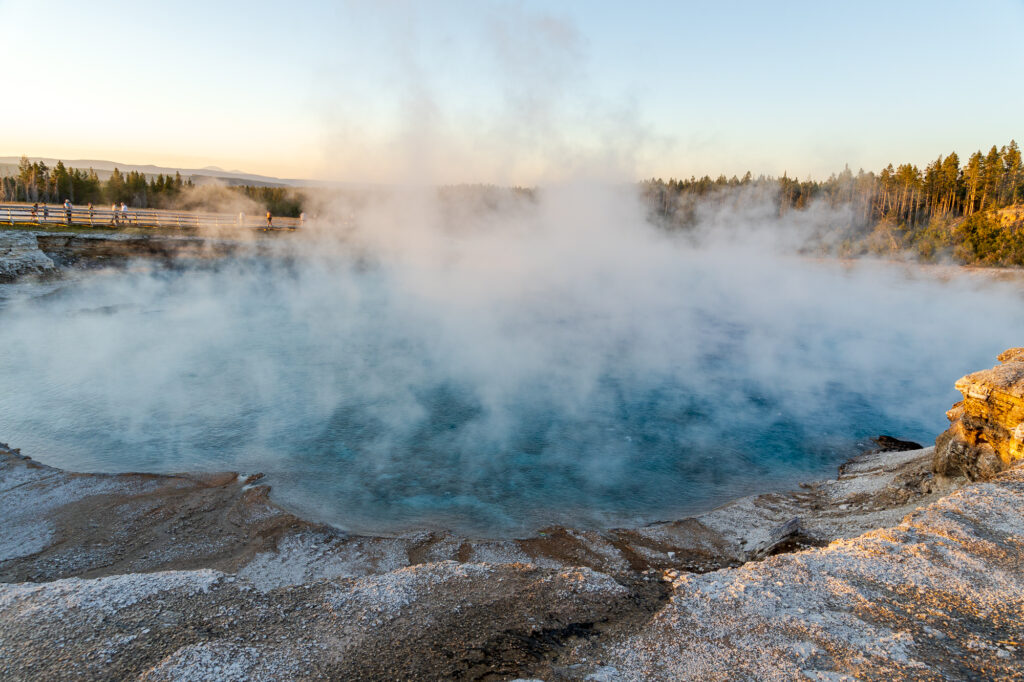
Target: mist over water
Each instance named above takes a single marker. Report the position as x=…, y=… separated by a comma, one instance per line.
x=495, y=370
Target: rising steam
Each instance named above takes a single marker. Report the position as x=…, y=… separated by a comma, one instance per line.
x=497, y=361
x=494, y=360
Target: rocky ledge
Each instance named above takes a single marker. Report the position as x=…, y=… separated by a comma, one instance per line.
x=987, y=431
x=892, y=570
x=60, y=525
x=69, y=250
x=26, y=254
x=20, y=256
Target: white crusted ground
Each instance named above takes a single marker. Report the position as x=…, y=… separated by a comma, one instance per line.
x=313, y=556
x=938, y=596
x=204, y=625
x=226, y=662
x=941, y=595
x=75, y=597
x=29, y=494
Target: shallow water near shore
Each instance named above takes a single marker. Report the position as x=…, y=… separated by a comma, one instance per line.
x=382, y=401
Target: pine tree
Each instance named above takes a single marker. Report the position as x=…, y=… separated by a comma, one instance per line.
x=62, y=185
x=991, y=175
x=115, y=189
x=972, y=181
x=1013, y=174
x=950, y=182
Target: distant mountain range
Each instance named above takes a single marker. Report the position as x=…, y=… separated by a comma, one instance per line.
x=9, y=166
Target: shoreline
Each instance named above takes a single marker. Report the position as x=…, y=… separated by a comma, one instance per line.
x=872, y=490
x=886, y=571
x=26, y=253
x=202, y=577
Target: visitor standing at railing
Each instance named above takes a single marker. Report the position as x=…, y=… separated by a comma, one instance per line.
x=46, y=212
x=67, y=212
x=270, y=220
x=90, y=214
x=124, y=213
x=113, y=214
x=35, y=212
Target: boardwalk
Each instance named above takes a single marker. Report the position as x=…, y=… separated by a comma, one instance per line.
x=82, y=216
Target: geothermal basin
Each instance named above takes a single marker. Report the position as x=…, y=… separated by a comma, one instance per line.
x=486, y=391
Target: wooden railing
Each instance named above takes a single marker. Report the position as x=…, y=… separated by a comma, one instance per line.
x=83, y=216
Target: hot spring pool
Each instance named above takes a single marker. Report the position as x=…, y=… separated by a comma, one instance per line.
x=383, y=397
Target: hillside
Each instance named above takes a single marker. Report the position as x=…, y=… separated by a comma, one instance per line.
x=103, y=168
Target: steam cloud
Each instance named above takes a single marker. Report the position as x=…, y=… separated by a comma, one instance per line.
x=494, y=362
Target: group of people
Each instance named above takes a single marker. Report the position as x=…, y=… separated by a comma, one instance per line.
x=119, y=214
x=35, y=212
x=46, y=212
x=119, y=217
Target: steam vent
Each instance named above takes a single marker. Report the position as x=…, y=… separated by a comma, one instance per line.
x=987, y=431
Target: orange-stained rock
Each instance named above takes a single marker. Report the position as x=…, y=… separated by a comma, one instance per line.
x=1011, y=354
x=986, y=435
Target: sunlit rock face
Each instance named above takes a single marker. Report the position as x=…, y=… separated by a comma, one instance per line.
x=987, y=431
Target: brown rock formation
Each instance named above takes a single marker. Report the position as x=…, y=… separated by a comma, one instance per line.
x=987, y=431
x=114, y=249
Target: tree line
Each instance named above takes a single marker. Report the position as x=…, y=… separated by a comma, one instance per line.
x=36, y=182
x=944, y=209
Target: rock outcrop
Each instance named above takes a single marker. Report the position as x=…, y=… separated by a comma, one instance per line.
x=987, y=431
x=68, y=250
x=26, y=254
x=20, y=256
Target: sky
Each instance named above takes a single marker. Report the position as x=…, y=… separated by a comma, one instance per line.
x=510, y=92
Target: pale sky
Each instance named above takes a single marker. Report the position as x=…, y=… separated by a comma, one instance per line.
x=510, y=92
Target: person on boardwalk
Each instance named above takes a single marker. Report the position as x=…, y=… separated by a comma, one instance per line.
x=124, y=213
x=302, y=219
x=113, y=214
x=67, y=211
x=90, y=214
x=270, y=220
x=46, y=212
x=35, y=212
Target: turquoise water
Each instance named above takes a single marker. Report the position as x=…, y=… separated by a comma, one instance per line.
x=383, y=402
